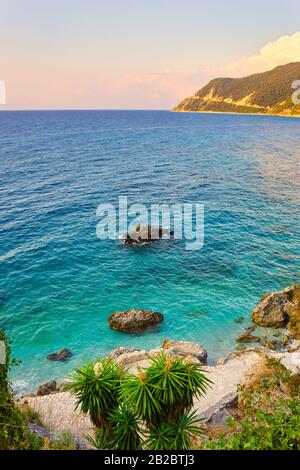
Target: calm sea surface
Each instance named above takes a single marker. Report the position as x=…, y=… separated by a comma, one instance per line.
x=59, y=282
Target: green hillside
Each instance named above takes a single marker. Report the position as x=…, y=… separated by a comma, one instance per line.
x=261, y=93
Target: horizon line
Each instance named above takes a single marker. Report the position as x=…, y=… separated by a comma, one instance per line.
x=84, y=109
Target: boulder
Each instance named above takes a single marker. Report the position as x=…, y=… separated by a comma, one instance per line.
x=184, y=349
x=40, y=431
x=217, y=415
x=46, y=388
x=279, y=310
x=145, y=234
x=135, y=320
x=116, y=353
x=62, y=387
x=62, y=355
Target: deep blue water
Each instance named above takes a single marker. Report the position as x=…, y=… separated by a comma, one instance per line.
x=59, y=282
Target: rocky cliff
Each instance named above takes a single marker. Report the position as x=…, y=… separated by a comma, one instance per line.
x=262, y=93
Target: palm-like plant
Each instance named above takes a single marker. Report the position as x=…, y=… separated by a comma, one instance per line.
x=139, y=393
x=186, y=427
x=160, y=397
x=174, y=435
x=97, y=389
x=165, y=391
x=124, y=432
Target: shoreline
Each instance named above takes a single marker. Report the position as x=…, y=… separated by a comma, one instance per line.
x=234, y=113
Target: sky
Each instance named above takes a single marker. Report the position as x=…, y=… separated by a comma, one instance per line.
x=136, y=54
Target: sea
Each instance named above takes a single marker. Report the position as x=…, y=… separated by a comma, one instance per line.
x=59, y=282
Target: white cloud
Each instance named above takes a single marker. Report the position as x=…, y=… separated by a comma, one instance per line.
x=282, y=51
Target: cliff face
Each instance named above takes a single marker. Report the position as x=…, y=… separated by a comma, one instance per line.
x=261, y=93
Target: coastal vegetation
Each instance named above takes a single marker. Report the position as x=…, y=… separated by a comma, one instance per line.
x=14, y=431
x=268, y=414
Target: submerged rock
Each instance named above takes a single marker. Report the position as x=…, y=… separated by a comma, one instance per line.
x=46, y=388
x=185, y=349
x=239, y=319
x=134, y=320
x=145, y=234
x=247, y=337
x=62, y=355
x=279, y=310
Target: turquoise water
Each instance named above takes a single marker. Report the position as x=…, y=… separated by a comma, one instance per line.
x=59, y=282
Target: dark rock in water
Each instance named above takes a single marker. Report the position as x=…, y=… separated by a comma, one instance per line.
x=146, y=234
x=134, y=320
x=248, y=338
x=239, y=319
x=62, y=355
x=46, y=388
x=280, y=310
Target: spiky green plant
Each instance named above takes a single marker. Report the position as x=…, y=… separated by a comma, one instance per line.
x=139, y=393
x=174, y=435
x=97, y=387
x=165, y=391
x=162, y=437
x=186, y=427
x=160, y=397
x=124, y=434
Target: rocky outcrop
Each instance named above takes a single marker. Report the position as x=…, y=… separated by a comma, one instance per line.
x=280, y=310
x=47, y=388
x=63, y=355
x=146, y=234
x=132, y=359
x=116, y=353
x=217, y=415
x=135, y=320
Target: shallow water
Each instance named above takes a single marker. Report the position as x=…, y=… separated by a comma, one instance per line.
x=59, y=282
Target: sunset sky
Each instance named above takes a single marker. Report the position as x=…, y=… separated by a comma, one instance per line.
x=136, y=54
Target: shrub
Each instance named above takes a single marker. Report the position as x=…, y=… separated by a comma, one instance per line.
x=62, y=441
x=269, y=414
x=14, y=432
x=97, y=389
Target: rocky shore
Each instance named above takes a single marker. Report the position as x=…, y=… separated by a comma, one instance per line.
x=56, y=407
